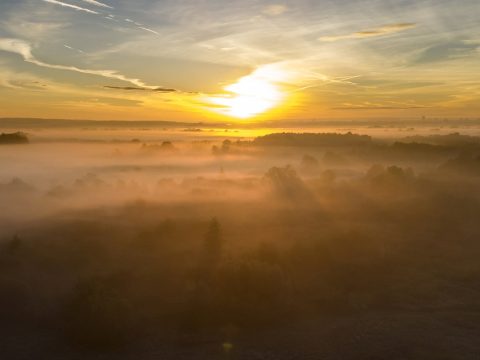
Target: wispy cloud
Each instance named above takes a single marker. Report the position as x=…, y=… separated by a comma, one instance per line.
x=108, y=17
x=445, y=51
x=75, y=7
x=98, y=3
x=379, y=108
x=131, y=88
x=73, y=49
x=370, y=106
x=24, y=49
x=149, y=30
x=275, y=9
x=26, y=26
x=19, y=80
x=379, y=31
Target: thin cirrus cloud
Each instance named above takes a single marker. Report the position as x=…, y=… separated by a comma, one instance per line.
x=379, y=31
x=131, y=88
x=275, y=9
x=75, y=7
x=98, y=3
x=149, y=30
x=24, y=49
x=73, y=49
x=379, y=107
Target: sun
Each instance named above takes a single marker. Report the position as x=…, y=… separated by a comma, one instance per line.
x=251, y=95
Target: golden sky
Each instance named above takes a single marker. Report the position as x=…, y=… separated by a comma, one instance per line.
x=227, y=60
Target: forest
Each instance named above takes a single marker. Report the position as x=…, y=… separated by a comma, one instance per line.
x=284, y=246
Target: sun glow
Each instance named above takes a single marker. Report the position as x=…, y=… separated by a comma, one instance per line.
x=251, y=95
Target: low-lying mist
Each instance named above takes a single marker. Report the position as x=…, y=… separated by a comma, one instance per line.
x=283, y=246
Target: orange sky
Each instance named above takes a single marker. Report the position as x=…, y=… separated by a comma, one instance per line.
x=239, y=60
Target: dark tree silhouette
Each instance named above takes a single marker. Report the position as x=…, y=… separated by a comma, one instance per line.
x=97, y=315
x=14, y=138
x=213, y=243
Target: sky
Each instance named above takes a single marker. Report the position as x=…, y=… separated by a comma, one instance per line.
x=249, y=60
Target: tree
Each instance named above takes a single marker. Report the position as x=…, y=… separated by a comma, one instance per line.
x=97, y=314
x=213, y=243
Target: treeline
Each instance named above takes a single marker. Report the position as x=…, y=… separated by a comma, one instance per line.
x=313, y=140
x=13, y=138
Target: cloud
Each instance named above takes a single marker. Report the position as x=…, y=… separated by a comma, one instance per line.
x=18, y=80
x=447, y=51
x=75, y=7
x=24, y=49
x=130, y=21
x=380, y=31
x=131, y=88
x=110, y=17
x=149, y=30
x=112, y=101
x=22, y=26
x=275, y=9
x=74, y=49
x=97, y=3
x=379, y=107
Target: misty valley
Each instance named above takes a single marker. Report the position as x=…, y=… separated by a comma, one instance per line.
x=180, y=244
x=239, y=180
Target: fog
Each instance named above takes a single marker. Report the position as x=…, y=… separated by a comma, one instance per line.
x=207, y=243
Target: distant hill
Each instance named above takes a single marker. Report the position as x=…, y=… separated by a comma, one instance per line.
x=13, y=138
x=16, y=123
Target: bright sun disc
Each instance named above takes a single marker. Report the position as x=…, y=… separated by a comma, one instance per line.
x=251, y=95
